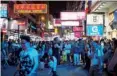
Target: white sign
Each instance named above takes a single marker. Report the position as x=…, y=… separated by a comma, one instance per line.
x=70, y=23
x=94, y=19
x=72, y=15
x=3, y=23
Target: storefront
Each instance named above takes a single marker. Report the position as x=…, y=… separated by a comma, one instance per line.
x=73, y=23
x=110, y=20
x=17, y=27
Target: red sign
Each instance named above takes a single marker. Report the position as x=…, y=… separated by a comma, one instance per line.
x=78, y=34
x=77, y=28
x=30, y=8
x=4, y=30
x=57, y=22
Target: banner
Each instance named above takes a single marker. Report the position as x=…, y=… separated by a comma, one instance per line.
x=30, y=8
x=94, y=30
x=3, y=10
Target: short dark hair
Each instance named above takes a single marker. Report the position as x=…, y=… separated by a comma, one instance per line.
x=24, y=37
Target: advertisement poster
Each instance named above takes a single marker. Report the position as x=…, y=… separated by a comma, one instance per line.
x=94, y=30
x=3, y=10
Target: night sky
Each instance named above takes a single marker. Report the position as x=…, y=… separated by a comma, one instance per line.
x=55, y=7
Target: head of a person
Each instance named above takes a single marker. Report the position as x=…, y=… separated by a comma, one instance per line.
x=56, y=40
x=25, y=42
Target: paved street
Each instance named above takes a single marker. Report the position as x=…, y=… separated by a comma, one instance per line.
x=62, y=70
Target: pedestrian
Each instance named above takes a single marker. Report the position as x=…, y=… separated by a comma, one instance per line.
x=112, y=67
x=53, y=65
x=94, y=62
x=28, y=58
x=67, y=49
x=56, y=49
x=76, y=54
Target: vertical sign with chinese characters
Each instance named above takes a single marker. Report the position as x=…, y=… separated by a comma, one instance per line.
x=95, y=19
x=3, y=10
x=30, y=8
x=95, y=25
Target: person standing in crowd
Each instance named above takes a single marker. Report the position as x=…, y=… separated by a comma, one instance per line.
x=99, y=49
x=50, y=49
x=10, y=46
x=67, y=49
x=64, y=54
x=82, y=50
x=53, y=65
x=112, y=67
x=94, y=61
x=87, y=59
x=76, y=54
x=56, y=49
x=28, y=58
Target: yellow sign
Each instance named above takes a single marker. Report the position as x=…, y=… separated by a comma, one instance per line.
x=56, y=31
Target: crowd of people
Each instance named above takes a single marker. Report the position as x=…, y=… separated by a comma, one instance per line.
x=96, y=56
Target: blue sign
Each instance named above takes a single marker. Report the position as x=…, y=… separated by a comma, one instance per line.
x=3, y=10
x=3, y=13
x=94, y=30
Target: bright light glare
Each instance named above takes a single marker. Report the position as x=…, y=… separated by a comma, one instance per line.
x=70, y=23
x=73, y=15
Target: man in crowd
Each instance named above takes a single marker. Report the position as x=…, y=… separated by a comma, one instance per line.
x=28, y=58
x=56, y=49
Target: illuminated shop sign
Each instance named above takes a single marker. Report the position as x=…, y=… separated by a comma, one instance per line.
x=77, y=28
x=70, y=23
x=72, y=15
x=95, y=19
x=3, y=10
x=94, y=30
x=30, y=8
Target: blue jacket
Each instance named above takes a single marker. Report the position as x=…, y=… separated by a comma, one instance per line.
x=76, y=50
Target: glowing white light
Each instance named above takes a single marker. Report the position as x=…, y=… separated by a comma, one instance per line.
x=72, y=15
x=70, y=23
